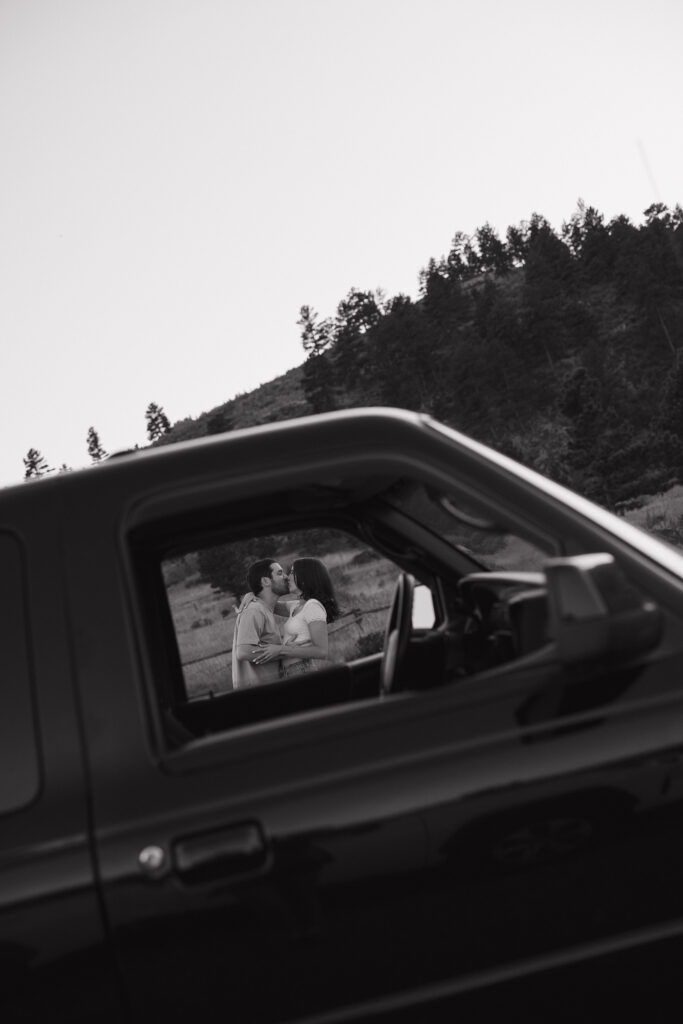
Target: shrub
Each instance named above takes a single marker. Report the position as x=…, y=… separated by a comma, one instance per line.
x=371, y=643
x=199, y=623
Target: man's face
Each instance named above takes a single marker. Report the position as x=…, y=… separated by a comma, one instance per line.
x=280, y=581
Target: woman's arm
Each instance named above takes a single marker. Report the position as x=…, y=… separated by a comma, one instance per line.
x=318, y=648
x=247, y=652
x=319, y=641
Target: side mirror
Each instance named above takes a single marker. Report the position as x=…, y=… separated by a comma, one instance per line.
x=594, y=612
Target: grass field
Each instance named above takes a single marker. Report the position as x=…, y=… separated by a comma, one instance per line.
x=661, y=515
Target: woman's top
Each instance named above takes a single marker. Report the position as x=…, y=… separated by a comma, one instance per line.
x=296, y=629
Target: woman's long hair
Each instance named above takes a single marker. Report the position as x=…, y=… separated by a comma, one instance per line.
x=313, y=580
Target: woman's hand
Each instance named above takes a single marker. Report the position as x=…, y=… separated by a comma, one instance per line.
x=247, y=599
x=266, y=653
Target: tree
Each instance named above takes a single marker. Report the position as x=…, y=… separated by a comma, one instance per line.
x=225, y=567
x=669, y=416
x=472, y=259
x=34, y=464
x=589, y=242
x=95, y=449
x=410, y=358
x=157, y=422
x=316, y=337
x=549, y=266
x=658, y=212
x=581, y=402
x=517, y=245
x=443, y=298
x=543, y=446
x=319, y=383
x=456, y=263
x=357, y=314
x=492, y=252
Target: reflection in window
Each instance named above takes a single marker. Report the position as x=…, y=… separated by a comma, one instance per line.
x=466, y=528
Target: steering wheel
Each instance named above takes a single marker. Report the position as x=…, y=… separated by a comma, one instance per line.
x=397, y=636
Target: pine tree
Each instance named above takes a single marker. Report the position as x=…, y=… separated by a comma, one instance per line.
x=157, y=422
x=95, y=449
x=35, y=464
x=316, y=337
x=319, y=383
x=493, y=253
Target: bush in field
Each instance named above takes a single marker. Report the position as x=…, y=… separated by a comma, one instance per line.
x=180, y=570
x=370, y=644
x=665, y=526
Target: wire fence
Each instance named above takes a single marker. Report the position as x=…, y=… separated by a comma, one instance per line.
x=355, y=617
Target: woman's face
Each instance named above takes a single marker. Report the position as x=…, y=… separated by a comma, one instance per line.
x=293, y=589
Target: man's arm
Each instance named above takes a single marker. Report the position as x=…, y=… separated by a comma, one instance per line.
x=250, y=628
x=246, y=652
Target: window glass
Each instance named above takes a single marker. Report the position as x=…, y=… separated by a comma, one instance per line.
x=19, y=771
x=205, y=588
x=470, y=529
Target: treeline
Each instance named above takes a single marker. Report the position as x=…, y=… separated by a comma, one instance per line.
x=560, y=349
x=36, y=465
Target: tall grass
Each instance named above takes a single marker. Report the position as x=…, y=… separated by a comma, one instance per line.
x=661, y=515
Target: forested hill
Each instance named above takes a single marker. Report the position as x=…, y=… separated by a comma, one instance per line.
x=562, y=349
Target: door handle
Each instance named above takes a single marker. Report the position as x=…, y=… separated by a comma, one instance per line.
x=222, y=853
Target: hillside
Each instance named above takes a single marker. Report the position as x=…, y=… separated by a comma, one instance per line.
x=562, y=350
x=280, y=399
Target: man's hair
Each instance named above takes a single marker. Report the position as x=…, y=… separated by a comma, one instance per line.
x=313, y=580
x=256, y=572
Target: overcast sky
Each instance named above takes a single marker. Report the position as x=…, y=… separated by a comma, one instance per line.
x=179, y=176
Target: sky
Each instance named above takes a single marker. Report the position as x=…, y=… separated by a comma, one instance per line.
x=179, y=177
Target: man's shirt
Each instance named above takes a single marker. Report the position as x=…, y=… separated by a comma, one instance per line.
x=255, y=624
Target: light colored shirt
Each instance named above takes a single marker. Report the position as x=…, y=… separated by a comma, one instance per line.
x=296, y=629
x=254, y=625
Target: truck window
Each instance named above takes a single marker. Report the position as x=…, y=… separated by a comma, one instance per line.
x=19, y=769
x=205, y=588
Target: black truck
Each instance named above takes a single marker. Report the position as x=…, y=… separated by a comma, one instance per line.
x=473, y=804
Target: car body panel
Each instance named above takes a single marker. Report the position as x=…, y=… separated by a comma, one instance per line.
x=54, y=958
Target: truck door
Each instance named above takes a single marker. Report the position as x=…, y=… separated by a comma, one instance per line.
x=378, y=852
x=54, y=959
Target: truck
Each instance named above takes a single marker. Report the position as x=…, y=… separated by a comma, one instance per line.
x=473, y=805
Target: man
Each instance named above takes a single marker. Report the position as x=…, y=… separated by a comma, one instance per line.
x=255, y=624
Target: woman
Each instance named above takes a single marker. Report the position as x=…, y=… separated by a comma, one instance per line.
x=305, y=631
